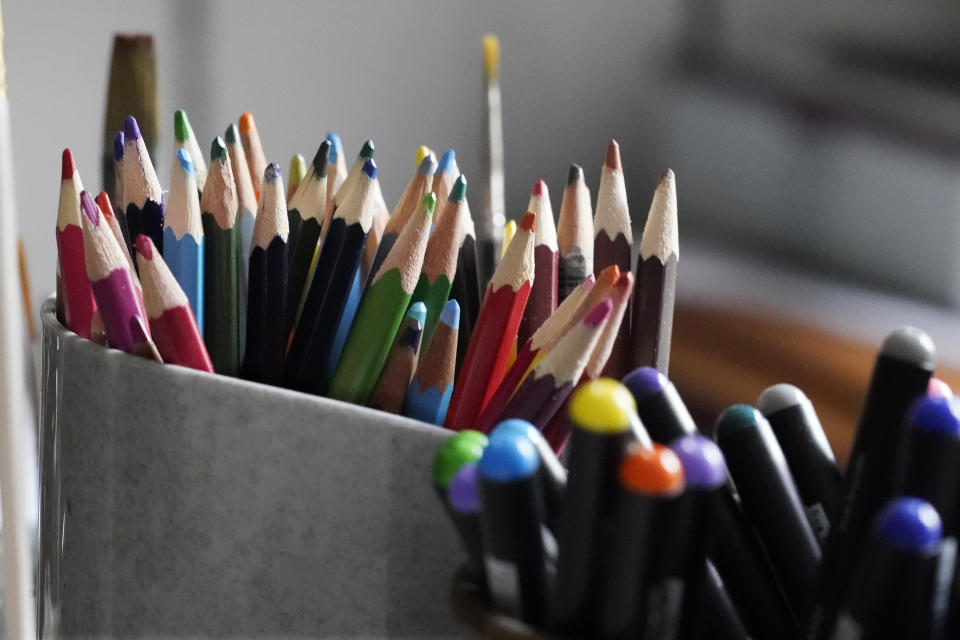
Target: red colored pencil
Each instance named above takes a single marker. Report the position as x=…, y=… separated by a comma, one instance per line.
x=172, y=323
x=78, y=301
x=495, y=330
x=543, y=295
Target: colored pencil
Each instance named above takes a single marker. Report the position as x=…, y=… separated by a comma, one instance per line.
x=172, y=325
x=401, y=362
x=296, y=173
x=652, y=312
x=496, y=329
x=552, y=380
x=367, y=152
x=141, y=189
x=131, y=91
x=332, y=278
x=266, y=297
x=586, y=296
x=27, y=295
x=418, y=187
x=543, y=295
x=509, y=230
x=440, y=261
x=184, y=138
x=422, y=152
x=221, y=262
x=346, y=322
x=103, y=201
x=493, y=212
x=246, y=221
x=305, y=211
x=78, y=303
x=574, y=233
x=183, y=246
x=256, y=160
x=466, y=287
x=613, y=244
x=447, y=171
x=110, y=278
x=337, y=167
x=381, y=216
x=429, y=393
x=116, y=194
x=381, y=311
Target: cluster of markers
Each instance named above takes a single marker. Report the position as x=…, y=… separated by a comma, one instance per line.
x=321, y=288
x=652, y=530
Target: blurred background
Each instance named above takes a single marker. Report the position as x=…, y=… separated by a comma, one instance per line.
x=815, y=147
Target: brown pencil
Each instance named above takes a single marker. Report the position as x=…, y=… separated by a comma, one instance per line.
x=401, y=362
x=543, y=295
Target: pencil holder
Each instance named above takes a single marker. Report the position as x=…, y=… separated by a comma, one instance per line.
x=176, y=503
x=476, y=613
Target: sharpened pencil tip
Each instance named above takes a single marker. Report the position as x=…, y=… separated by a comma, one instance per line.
x=367, y=150
x=529, y=221
x=68, y=168
x=186, y=162
x=272, y=172
x=118, y=147
x=666, y=176
x=370, y=168
x=450, y=315
x=138, y=333
x=90, y=208
x=429, y=202
x=458, y=193
x=131, y=130
x=246, y=122
x=218, y=150
x=320, y=159
x=428, y=165
x=144, y=246
x=422, y=152
x=540, y=187
x=417, y=311
x=181, y=125
x=599, y=313
x=297, y=169
x=446, y=161
x=574, y=174
x=411, y=337
x=612, y=159
x=335, y=147
x=103, y=201
x=231, y=134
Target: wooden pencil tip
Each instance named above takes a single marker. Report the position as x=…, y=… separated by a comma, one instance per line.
x=272, y=173
x=320, y=159
x=613, y=156
x=446, y=161
x=186, y=162
x=103, y=201
x=574, y=174
x=450, y=315
x=370, y=168
x=90, y=208
x=422, y=152
x=246, y=122
x=367, y=150
x=529, y=221
x=666, y=176
x=144, y=246
x=599, y=313
x=335, y=147
x=609, y=275
x=458, y=193
x=540, y=187
x=230, y=135
x=428, y=165
x=181, y=125
x=118, y=147
x=68, y=167
x=625, y=280
x=131, y=130
x=218, y=150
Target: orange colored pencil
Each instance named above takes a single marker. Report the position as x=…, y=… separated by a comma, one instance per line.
x=256, y=160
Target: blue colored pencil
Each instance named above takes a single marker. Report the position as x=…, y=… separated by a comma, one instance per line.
x=183, y=233
x=429, y=393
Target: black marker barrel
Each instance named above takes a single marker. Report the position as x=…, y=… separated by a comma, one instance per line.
x=891, y=593
x=659, y=405
x=601, y=414
x=901, y=374
x=515, y=539
x=552, y=474
x=770, y=501
x=809, y=456
x=463, y=496
x=717, y=618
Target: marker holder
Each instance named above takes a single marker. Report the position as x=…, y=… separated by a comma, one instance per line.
x=176, y=503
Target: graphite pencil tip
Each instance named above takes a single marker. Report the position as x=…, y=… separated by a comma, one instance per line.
x=186, y=162
x=131, y=130
x=231, y=134
x=450, y=315
x=574, y=174
x=218, y=150
x=118, y=147
x=181, y=125
x=427, y=165
x=246, y=122
x=370, y=168
x=272, y=173
x=612, y=159
x=447, y=160
x=68, y=167
x=458, y=193
x=320, y=159
x=540, y=187
x=529, y=221
x=367, y=150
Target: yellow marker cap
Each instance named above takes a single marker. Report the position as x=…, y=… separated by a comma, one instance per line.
x=602, y=406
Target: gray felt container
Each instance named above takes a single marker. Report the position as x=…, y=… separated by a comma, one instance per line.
x=176, y=503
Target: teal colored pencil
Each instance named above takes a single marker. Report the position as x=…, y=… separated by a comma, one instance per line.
x=183, y=234
x=246, y=217
x=382, y=310
x=428, y=395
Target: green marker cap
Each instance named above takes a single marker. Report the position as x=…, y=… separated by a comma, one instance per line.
x=736, y=418
x=465, y=447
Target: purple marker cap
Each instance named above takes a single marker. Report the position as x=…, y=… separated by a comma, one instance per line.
x=644, y=382
x=939, y=415
x=703, y=462
x=131, y=130
x=118, y=147
x=910, y=524
x=462, y=493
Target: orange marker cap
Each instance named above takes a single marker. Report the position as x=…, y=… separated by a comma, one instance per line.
x=657, y=471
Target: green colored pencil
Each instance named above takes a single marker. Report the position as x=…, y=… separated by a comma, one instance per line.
x=381, y=311
x=221, y=262
x=440, y=261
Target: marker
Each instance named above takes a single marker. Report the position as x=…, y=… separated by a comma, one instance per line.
x=718, y=618
x=462, y=448
x=659, y=405
x=809, y=456
x=642, y=591
x=552, y=474
x=901, y=374
x=463, y=502
x=770, y=501
x=891, y=594
x=515, y=538
x=601, y=415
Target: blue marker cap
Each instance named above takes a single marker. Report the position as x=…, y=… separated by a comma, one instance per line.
x=703, y=463
x=417, y=311
x=118, y=147
x=940, y=415
x=508, y=458
x=516, y=428
x=645, y=382
x=450, y=315
x=272, y=172
x=462, y=493
x=184, y=157
x=370, y=168
x=446, y=161
x=910, y=524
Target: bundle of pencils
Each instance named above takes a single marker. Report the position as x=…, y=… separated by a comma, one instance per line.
x=655, y=531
